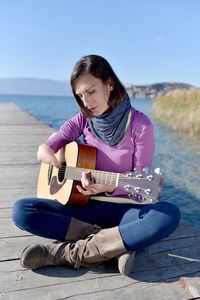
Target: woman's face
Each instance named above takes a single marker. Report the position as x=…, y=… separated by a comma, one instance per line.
x=94, y=93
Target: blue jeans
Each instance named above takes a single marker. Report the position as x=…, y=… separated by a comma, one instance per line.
x=139, y=225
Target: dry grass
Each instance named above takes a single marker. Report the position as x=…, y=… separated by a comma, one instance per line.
x=180, y=110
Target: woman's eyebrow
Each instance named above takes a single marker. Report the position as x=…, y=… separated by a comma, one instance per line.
x=87, y=89
x=92, y=86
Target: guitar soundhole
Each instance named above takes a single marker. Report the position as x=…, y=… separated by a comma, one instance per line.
x=61, y=172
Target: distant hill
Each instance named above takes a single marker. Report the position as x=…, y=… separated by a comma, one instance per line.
x=33, y=86
x=156, y=89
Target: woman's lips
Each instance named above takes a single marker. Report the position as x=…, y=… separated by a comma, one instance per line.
x=93, y=108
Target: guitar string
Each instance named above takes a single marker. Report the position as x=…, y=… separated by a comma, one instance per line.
x=98, y=172
x=102, y=175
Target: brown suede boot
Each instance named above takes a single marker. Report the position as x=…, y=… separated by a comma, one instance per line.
x=95, y=249
x=78, y=230
x=125, y=262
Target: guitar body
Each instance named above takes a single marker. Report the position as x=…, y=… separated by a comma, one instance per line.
x=52, y=183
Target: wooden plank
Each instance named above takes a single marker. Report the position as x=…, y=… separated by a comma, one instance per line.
x=22, y=130
x=16, y=117
x=106, y=287
x=12, y=114
x=9, y=266
x=5, y=213
x=184, y=230
x=172, y=244
x=18, y=176
x=13, y=158
x=65, y=276
x=22, y=142
x=8, y=229
x=30, y=149
x=9, y=196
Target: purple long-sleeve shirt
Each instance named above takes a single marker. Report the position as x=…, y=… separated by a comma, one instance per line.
x=135, y=150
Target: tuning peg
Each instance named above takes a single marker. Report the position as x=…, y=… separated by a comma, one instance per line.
x=158, y=171
x=136, y=197
x=127, y=187
x=150, y=177
x=146, y=170
x=132, y=196
x=137, y=189
x=147, y=191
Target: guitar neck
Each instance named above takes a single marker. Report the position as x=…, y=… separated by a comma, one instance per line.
x=100, y=177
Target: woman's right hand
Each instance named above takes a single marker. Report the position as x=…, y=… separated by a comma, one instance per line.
x=46, y=154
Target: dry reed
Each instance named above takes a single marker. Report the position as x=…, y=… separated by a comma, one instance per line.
x=180, y=110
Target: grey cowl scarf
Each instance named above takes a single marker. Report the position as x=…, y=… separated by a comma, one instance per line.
x=110, y=126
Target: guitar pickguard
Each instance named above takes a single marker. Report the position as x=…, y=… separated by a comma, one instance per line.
x=55, y=186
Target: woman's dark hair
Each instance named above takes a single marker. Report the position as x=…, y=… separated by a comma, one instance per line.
x=99, y=68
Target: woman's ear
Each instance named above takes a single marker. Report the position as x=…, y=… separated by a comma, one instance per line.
x=110, y=83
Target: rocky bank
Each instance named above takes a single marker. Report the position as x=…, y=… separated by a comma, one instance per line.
x=154, y=90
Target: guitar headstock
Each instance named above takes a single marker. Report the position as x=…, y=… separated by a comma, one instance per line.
x=142, y=186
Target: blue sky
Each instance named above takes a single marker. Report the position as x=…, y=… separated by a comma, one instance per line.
x=145, y=41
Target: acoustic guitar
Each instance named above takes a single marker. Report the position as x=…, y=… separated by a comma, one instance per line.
x=60, y=184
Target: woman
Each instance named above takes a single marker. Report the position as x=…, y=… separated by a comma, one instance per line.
x=102, y=230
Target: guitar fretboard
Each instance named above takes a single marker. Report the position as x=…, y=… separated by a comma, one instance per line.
x=100, y=177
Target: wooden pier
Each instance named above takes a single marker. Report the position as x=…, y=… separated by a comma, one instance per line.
x=167, y=270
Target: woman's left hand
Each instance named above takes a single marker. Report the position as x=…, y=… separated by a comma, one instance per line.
x=91, y=188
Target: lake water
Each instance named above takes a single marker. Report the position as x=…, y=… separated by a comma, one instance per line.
x=176, y=154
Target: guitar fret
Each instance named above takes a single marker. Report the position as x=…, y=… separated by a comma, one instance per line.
x=117, y=179
x=99, y=177
x=106, y=179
